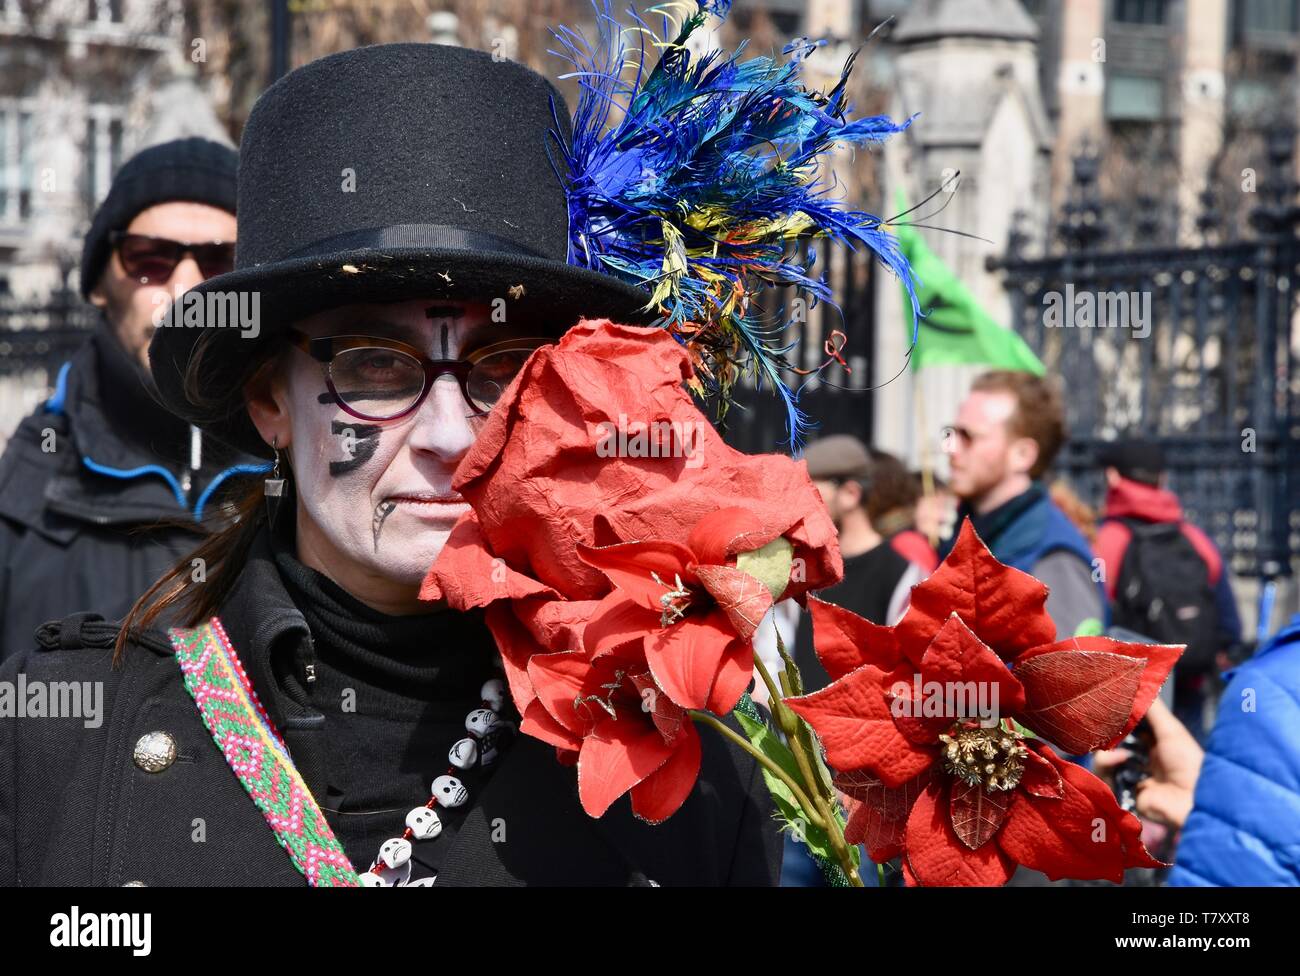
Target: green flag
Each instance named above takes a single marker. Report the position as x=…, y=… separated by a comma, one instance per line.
x=955, y=329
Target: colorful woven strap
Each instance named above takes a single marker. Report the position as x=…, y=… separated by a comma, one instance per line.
x=243, y=732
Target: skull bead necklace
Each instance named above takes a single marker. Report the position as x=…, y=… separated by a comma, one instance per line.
x=392, y=867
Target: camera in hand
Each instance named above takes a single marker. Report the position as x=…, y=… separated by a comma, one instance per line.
x=1136, y=767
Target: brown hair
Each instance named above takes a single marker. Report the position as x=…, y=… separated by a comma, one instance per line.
x=1075, y=508
x=891, y=487
x=1039, y=413
x=223, y=551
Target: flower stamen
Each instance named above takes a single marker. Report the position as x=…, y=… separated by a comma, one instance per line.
x=991, y=758
x=675, y=602
x=607, y=703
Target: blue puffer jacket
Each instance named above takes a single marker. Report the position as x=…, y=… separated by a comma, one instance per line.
x=1245, y=824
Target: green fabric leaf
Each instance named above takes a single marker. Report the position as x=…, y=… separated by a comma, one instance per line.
x=791, y=669
x=1027, y=733
x=747, y=708
x=769, y=743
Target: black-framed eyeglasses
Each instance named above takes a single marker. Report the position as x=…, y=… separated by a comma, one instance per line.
x=384, y=379
x=153, y=260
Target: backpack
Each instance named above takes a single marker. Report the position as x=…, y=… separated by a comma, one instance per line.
x=1164, y=592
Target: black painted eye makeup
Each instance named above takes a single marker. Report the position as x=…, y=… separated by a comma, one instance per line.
x=364, y=441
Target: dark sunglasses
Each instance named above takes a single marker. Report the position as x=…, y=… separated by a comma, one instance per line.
x=383, y=379
x=152, y=260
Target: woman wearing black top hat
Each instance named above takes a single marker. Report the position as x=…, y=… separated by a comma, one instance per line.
x=384, y=212
x=405, y=245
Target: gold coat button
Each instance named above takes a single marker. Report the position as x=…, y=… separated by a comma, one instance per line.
x=155, y=752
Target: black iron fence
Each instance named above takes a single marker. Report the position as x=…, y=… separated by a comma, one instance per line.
x=42, y=336
x=839, y=401
x=1190, y=346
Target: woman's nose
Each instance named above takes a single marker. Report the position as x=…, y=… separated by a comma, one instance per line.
x=441, y=425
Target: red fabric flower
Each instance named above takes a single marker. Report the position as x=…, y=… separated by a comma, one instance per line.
x=574, y=504
x=917, y=726
x=628, y=735
x=692, y=614
x=597, y=442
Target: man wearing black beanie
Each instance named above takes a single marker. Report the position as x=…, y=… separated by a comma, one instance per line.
x=101, y=489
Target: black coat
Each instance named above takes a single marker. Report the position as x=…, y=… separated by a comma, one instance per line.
x=76, y=810
x=96, y=495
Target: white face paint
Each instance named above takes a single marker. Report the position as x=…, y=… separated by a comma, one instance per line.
x=375, y=502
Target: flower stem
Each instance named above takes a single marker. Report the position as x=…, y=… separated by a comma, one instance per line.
x=712, y=720
x=774, y=695
x=833, y=830
x=792, y=723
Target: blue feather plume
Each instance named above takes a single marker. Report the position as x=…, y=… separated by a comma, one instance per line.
x=692, y=179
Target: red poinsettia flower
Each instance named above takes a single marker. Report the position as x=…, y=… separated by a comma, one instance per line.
x=628, y=735
x=692, y=614
x=935, y=727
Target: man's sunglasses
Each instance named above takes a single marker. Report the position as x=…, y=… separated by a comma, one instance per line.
x=383, y=379
x=152, y=260
x=962, y=435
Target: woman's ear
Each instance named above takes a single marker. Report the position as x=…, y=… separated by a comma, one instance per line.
x=267, y=399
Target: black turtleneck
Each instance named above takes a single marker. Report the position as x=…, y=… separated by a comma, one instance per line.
x=395, y=691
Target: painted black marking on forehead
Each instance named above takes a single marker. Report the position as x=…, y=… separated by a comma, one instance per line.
x=443, y=312
x=435, y=312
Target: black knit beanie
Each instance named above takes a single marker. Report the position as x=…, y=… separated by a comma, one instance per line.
x=194, y=170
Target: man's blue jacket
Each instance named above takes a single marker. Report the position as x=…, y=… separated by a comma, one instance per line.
x=1245, y=824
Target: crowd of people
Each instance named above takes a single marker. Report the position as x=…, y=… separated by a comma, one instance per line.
x=1218, y=765
x=102, y=491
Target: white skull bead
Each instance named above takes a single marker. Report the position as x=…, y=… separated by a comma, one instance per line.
x=480, y=721
x=424, y=823
x=494, y=693
x=450, y=791
x=464, y=754
x=395, y=852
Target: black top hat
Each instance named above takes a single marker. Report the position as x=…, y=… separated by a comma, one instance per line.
x=387, y=173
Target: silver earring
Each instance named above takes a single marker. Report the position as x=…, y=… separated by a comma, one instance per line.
x=273, y=487
x=275, y=483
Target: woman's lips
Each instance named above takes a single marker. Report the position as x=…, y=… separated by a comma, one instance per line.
x=432, y=504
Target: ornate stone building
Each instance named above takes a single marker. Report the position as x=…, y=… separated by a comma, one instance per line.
x=84, y=84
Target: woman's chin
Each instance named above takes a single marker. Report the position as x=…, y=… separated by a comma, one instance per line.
x=406, y=551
